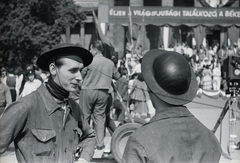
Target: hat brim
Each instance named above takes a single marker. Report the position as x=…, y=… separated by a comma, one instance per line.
x=148, y=75
x=84, y=54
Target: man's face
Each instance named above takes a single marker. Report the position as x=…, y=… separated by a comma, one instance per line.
x=69, y=75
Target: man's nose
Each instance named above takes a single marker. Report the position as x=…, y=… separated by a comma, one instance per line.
x=79, y=76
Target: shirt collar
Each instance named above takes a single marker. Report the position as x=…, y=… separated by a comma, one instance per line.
x=171, y=112
x=99, y=55
x=49, y=102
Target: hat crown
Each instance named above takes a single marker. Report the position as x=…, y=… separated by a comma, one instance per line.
x=172, y=73
x=64, y=50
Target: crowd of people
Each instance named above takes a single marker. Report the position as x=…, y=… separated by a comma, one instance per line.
x=207, y=62
x=20, y=83
x=97, y=85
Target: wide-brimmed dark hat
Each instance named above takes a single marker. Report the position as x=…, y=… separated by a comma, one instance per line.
x=64, y=50
x=169, y=76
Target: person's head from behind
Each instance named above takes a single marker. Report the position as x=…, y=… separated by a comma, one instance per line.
x=65, y=62
x=10, y=70
x=124, y=71
x=140, y=77
x=169, y=77
x=97, y=47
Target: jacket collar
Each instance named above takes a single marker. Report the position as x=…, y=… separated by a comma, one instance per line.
x=98, y=55
x=49, y=102
x=171, y=112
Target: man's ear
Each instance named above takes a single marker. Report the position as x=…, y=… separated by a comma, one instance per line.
x=52, y=69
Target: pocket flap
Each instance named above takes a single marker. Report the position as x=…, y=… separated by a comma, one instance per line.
x=43, y=135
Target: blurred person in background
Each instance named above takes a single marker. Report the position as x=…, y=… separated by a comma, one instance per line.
x=206, y=80
x=4, y=75
x=122, y=89
x=20, y=81
x=11, y=82
x=32, y=83
x=132, y=78
x=222, y=54
x=230, y=51
x=139, y=96
x=36, y=71
x=97, y=78
x=216, y=72
x=5, y=96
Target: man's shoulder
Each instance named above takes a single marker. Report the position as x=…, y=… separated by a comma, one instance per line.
x=149, y=137
x=143, y=132
x=4, y=86
x=122, y=79
x=37, y=81
x=103, y=62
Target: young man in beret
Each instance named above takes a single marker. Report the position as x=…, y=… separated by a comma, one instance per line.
x=46, y=125
x=173, y=134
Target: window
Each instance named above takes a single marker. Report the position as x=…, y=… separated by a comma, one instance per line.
x=121, y=2
x=183, y=3
x=152, y=3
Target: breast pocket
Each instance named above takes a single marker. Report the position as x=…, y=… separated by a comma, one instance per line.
x=45, y=142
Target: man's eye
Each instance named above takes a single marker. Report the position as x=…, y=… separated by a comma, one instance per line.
x=74, y=71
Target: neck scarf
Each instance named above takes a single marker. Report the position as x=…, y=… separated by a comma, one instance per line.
x=56, y=91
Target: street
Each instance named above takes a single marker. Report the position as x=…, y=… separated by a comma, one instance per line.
x=206, y=109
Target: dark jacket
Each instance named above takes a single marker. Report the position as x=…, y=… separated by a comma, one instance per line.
x=35, y=123
x=173, y=135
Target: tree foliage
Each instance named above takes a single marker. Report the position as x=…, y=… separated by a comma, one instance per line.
x=28, y=27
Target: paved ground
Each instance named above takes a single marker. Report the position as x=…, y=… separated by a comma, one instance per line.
x=207, y=110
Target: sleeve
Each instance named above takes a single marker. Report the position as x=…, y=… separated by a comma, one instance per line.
x=147, y=96
x=84, y=72
x=19, y=80
x=8, y=96
x=134, y=152
x=24, y=90
x=87, y=140
x=116, y=74
x=12, y=123
x=39, y=83
x=134, y=85
x=125, y=91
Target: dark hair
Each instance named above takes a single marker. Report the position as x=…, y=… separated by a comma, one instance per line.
x=98, y=45
x=10, y=70
x=58, y=62
x=124, y=71
x=140, y=77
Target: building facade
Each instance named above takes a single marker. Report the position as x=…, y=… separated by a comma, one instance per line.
x=181, y=19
